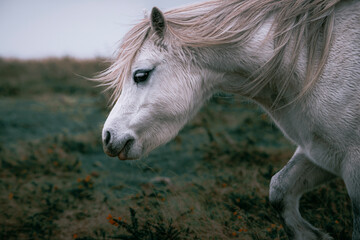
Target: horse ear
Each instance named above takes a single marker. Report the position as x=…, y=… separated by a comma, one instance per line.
x=158, y=21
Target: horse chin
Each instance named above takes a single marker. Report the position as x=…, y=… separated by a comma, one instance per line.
x=123, y=156
x=129, y=152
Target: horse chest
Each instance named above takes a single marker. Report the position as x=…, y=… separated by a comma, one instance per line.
x=314, y=139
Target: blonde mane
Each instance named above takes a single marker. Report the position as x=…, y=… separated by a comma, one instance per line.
x=307, y=22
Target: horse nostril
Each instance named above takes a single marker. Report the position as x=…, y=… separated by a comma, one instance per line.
x=114, y=144
x=107, y=138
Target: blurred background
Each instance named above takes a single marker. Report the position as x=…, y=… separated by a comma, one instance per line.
x=81, y=29
x=210, y=182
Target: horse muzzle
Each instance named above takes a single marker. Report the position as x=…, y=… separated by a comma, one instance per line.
x=117, y=145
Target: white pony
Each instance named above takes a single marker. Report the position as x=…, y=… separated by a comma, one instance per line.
x=298, y=59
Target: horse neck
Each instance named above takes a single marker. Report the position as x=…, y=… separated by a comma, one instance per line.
x=239, y=62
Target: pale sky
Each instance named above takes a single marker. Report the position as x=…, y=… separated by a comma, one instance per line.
x=78, y=28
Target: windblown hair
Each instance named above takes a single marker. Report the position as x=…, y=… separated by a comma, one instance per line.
x=297, y=23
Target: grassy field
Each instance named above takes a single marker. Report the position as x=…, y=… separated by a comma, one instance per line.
x=210, y=182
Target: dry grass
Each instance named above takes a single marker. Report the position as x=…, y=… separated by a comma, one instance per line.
x=48, y=189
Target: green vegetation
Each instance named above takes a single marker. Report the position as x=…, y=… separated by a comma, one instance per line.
x=210, y=182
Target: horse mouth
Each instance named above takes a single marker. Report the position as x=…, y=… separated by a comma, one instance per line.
x=123, y=155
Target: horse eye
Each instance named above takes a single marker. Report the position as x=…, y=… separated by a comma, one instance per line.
x=141, y=75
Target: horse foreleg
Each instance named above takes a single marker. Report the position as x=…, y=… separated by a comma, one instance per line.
x=351, y=176
x=286, y=187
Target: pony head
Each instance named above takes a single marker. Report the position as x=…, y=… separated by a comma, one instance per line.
x=161, y=89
